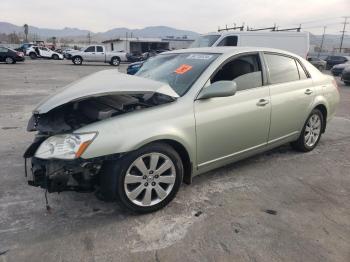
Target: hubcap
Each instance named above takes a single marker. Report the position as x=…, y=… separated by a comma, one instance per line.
x=312, y=130
x=149, y=179
x=9, y=60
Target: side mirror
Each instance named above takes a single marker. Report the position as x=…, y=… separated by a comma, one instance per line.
x=218, y=89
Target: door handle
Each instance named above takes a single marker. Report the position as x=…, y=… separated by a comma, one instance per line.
x=262, y=102
x=308, y=91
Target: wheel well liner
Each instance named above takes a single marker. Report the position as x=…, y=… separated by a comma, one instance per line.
x=323, y=110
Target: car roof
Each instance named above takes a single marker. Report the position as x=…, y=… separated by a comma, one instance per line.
x=229, y=50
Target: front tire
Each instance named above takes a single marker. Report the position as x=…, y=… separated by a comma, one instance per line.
x=55, y=57
x=9, y=60
x=311, y=132
x=144, y=180
x=33, y=55
x=77, y=60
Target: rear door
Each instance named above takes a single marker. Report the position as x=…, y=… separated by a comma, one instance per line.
x=292, y=94
x=44, y=52
x=100, y=54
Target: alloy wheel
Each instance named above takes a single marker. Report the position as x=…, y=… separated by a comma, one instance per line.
x=312, y=130
x=149, y=179
x=9, y=60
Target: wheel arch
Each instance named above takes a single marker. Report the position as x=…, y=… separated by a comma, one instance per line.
x=183, y=152
x=324, y=112
x=117, y=57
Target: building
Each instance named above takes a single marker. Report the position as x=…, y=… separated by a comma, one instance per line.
x=142, y=45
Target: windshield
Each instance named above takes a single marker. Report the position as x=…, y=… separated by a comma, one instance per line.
x=205, y=41
x=180, y=71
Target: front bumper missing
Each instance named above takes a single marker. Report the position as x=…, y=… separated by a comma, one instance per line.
x=61, y=175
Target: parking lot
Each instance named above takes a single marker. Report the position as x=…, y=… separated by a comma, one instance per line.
x=278, y=206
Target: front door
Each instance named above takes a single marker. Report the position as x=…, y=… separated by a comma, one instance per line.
x=89, y=53
x=227, y=127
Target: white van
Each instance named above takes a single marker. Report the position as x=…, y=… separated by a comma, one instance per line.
x=295, y=42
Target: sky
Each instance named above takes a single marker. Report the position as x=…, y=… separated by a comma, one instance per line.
x=198, y=15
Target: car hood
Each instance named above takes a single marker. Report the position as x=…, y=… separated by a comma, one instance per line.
x=106, y=82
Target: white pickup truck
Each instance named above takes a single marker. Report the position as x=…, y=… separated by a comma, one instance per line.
x=97, y=53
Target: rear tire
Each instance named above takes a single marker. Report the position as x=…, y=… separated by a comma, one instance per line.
x=147, y=190
x=347, y=83
x=311, y=133
x=77, y=60
x=115, y=61
x=9, y=60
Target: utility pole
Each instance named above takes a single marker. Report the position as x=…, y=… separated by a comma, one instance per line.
x=89, y=38
x=324, y=31
x=343, y=32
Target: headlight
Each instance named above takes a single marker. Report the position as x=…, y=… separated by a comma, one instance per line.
x=69, y=146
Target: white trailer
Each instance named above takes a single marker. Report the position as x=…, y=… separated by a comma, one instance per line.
x=295, y=42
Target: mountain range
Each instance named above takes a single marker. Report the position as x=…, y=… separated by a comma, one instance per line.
x=151, y=31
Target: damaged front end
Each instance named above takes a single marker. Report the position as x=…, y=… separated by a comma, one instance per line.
x=56, y=154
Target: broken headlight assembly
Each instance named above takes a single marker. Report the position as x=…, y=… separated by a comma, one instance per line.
x=65, y=146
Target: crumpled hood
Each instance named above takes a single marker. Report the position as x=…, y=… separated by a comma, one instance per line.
x=102, y=83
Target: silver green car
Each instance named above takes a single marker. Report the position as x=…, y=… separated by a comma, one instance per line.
x=135, y=139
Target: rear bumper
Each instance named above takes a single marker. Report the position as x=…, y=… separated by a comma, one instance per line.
x=346, y=77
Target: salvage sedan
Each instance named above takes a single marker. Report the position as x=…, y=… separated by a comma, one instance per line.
x=137, y=138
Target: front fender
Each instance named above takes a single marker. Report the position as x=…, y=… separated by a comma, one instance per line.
x=133, y=130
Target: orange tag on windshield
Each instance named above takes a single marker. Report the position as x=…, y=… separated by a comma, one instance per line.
x=183, y=69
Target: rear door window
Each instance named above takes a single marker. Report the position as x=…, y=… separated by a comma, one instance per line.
x=281, y=68
x=99, y=49
x=302, y=74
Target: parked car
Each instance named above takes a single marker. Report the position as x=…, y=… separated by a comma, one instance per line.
x=318, y=63
x=43, y=52
x=66, y=53
x=185, y=112
x=345, y=76
x=133, y=68
x=336, y=60
x=97, y=53
x=295, y=42
x=132, y=57
x=24, y=47
x=338, y=69
x=10, y=56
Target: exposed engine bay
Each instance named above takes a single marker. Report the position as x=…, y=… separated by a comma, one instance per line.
x=57, y=175
x=74, y=115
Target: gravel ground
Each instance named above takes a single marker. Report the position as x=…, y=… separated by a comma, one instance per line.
x=277, y=206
